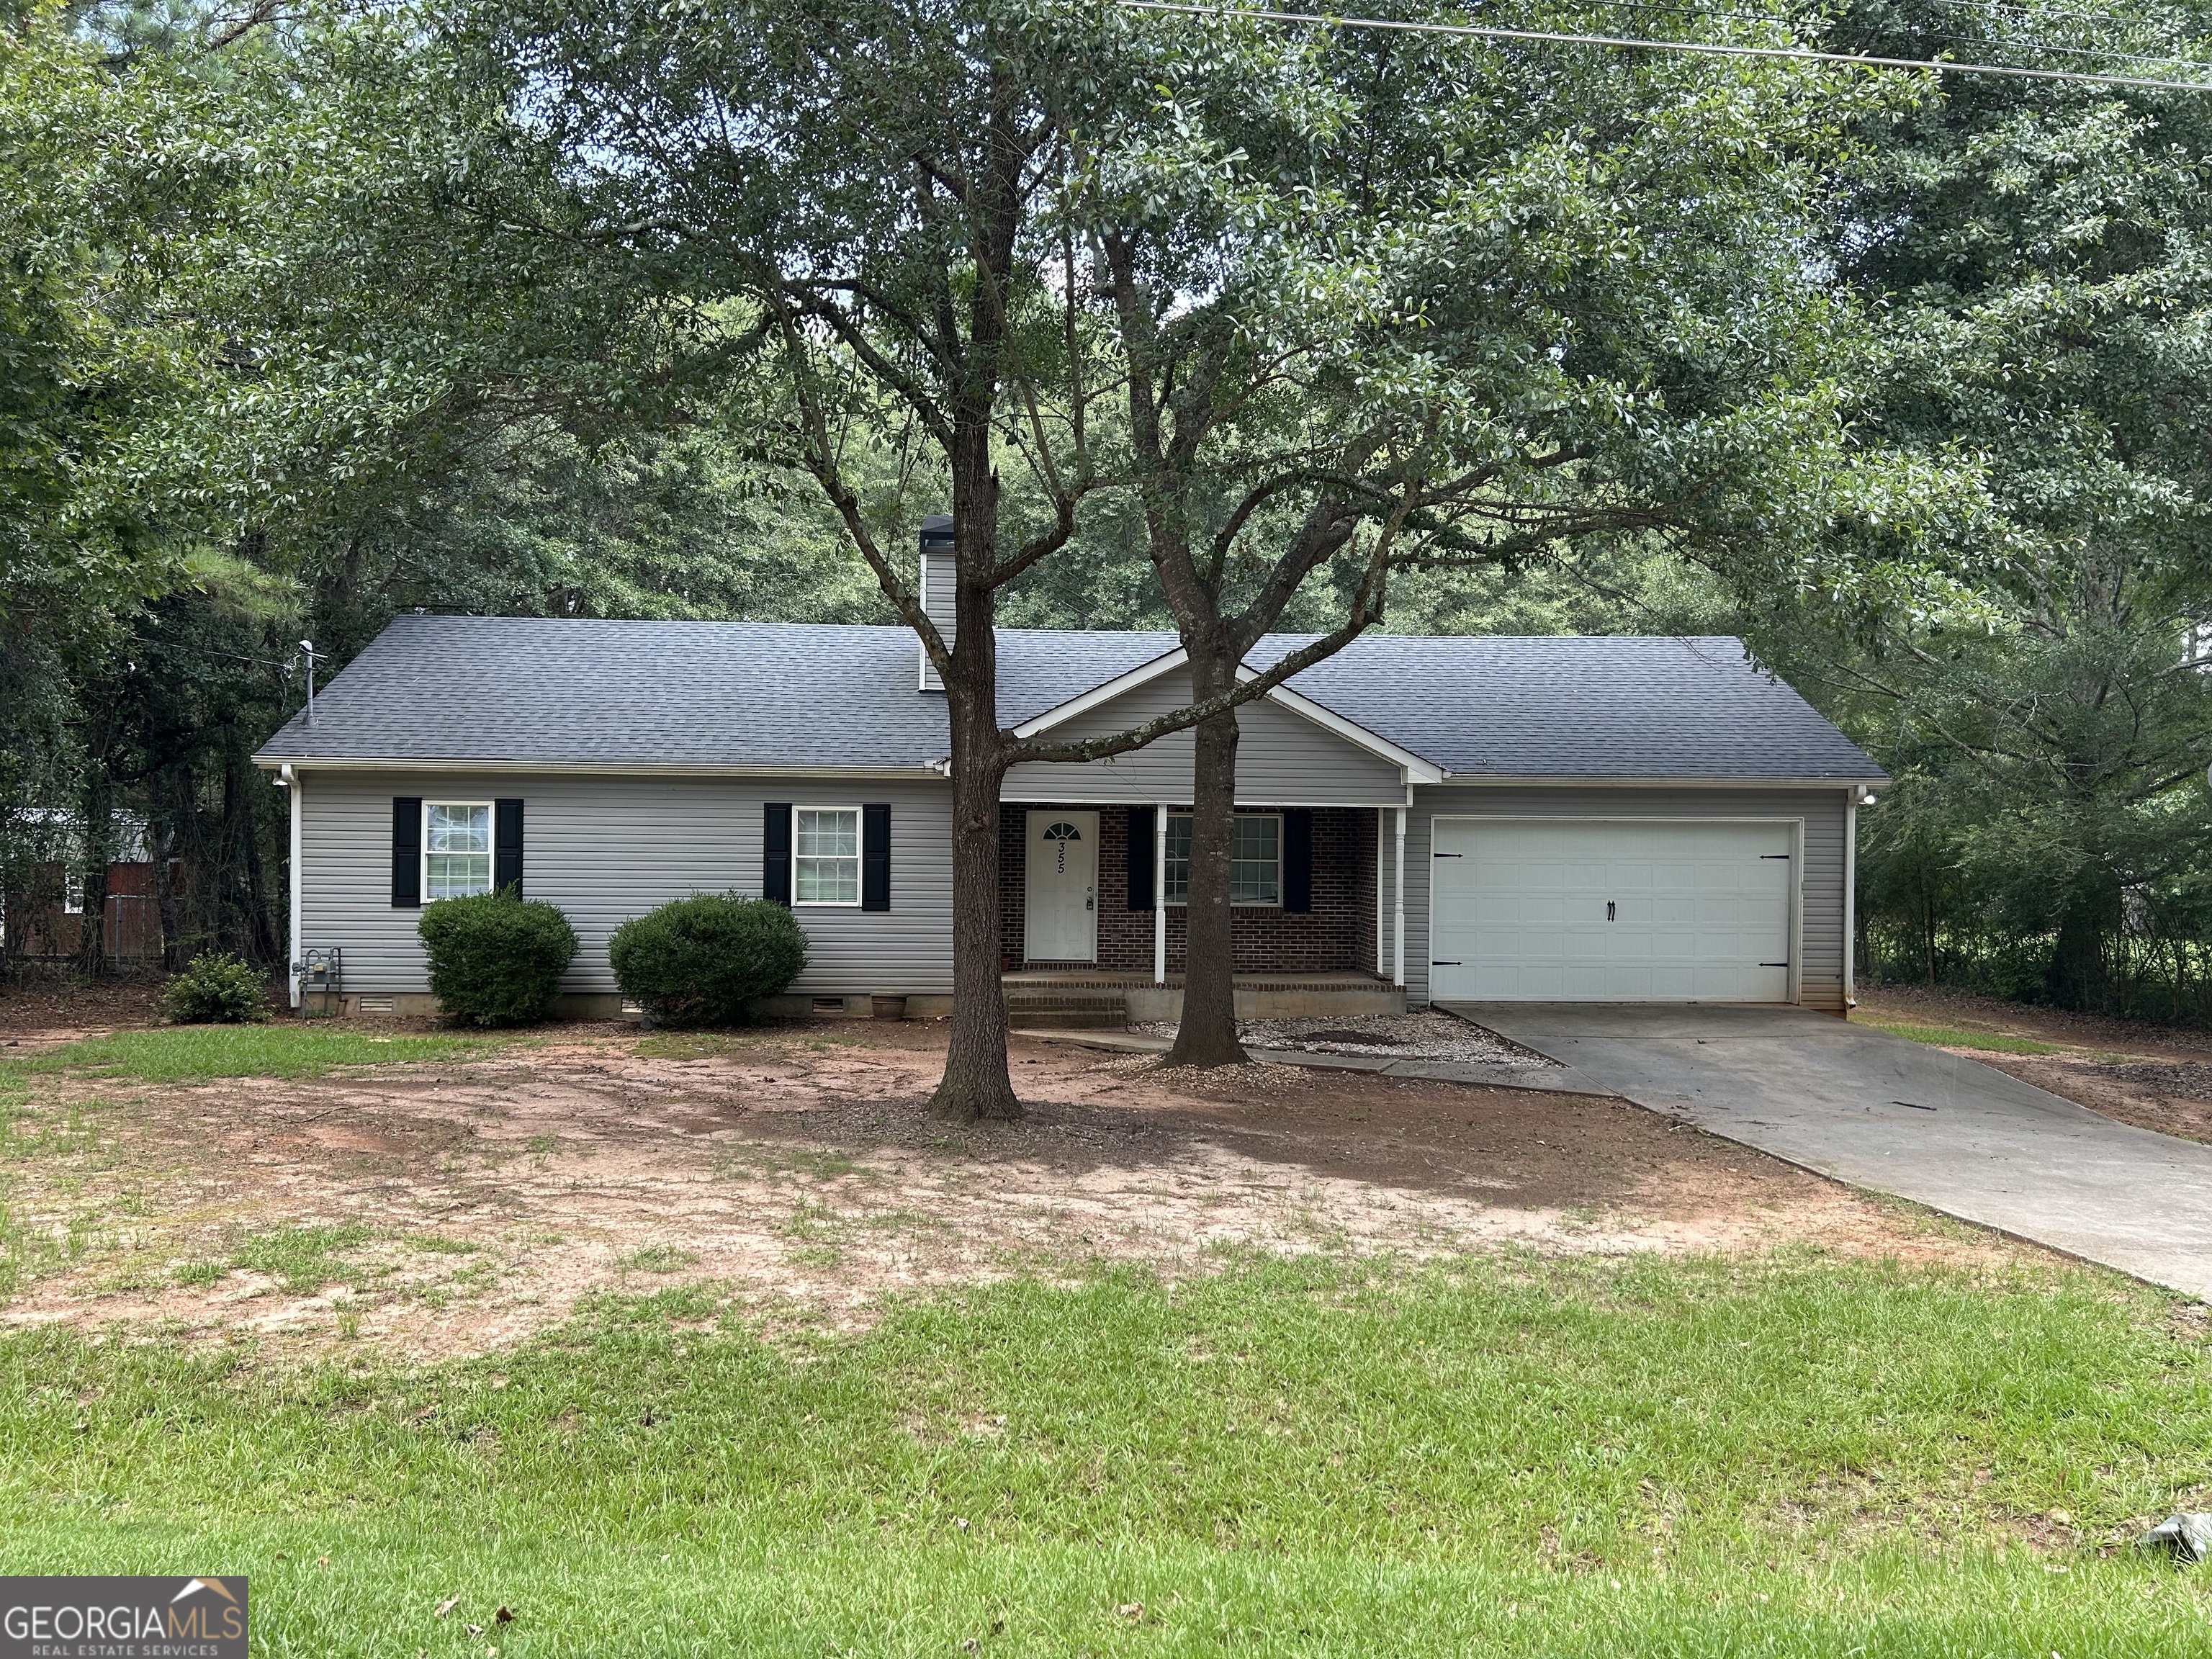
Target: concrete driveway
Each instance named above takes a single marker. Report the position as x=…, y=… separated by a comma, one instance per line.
x=1876, y=1110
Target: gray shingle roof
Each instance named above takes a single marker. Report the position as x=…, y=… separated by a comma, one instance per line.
x=1581, y=706
x=773, y=695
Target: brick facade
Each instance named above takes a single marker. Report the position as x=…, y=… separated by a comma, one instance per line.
x=1337, y=935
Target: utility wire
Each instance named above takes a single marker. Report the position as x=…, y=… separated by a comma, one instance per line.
x=1711, y=49
x=1707, y=15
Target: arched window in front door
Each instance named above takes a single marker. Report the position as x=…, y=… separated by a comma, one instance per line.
x=1058, y=835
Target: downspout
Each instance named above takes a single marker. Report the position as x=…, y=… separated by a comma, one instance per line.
x=290, y=779
x=1850, y=898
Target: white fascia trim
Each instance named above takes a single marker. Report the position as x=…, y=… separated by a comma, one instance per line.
x=1143, y=674
x=1062, y=796
x=1416, y=769
x=1645, y=781
x=609, y=769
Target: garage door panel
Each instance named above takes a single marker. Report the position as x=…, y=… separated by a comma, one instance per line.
x=1699, y=911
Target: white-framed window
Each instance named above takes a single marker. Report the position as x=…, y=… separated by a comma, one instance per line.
x=456, y=849
x=72, y=893
x=1255, y=859
x=825, y=855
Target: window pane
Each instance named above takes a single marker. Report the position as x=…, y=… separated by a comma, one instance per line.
x=1255, y=838
x=828, y=881
x=1177, y=865
x=456, y=851
x=826, y=860
x=1253, y=867
x=829, y=835
x=456, y=875
x=458, y=828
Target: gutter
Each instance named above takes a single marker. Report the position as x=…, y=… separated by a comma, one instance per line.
x=1657, y=781
x=599, y=769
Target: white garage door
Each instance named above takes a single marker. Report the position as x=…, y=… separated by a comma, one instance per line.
x=1595, y=910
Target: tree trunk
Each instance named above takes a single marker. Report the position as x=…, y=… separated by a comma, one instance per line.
x=1207, y=1033
x=261, y=932
x=2076, y=977
x=94, y=851
x=161, y=847
x=977, y=1083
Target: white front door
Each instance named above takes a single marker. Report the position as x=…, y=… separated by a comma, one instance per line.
x=1611, y=911
x=1062, y=917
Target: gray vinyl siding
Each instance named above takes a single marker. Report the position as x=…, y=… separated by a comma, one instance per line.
x=1283, y=759
x=608, y=848
x=1820, y=876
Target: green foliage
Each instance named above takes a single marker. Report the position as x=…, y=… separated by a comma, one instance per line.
x=217, y=989
x=281, y=1050
x=2033, y=256
x=495, y=960
x=702, y=960
x=1480, y=1455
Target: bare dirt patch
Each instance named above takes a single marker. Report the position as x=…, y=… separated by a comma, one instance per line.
x=793, y=1173
x=49, y=1007
x=2155, y=1077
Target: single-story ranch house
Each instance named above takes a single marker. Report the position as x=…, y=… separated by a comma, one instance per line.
x=1564, y=819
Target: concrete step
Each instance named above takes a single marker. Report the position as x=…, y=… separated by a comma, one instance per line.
x=1067, y=1009
x=1068, y=1019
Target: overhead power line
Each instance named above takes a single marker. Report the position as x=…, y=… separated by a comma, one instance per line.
x=1706, y=48
x=2111, y=54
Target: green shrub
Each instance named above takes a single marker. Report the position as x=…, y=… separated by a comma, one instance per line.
x=495, y=960
x=699, y=961
x=217, y=989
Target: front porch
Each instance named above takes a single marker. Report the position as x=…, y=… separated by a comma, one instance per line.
x=1095, y=888
x=1061, y=999
x=1092, y=929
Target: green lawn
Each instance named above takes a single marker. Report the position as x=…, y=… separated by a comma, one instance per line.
x=281, y=1048
x=1948, y=1037
x=1498, y=1456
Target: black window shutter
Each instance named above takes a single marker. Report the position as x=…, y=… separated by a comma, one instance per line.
x=1140, y=858
x=775, y=851
x=875, y=858
x=406, y=851
x=507, y=847
x=1298, y=859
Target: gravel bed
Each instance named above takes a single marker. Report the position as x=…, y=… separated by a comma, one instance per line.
x=1422, y=1034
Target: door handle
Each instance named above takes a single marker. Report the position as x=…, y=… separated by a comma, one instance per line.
x=1610, y=910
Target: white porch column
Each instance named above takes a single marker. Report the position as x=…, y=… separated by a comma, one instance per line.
x=1159, y=895
x=1382, y=898
x=1398, y=974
